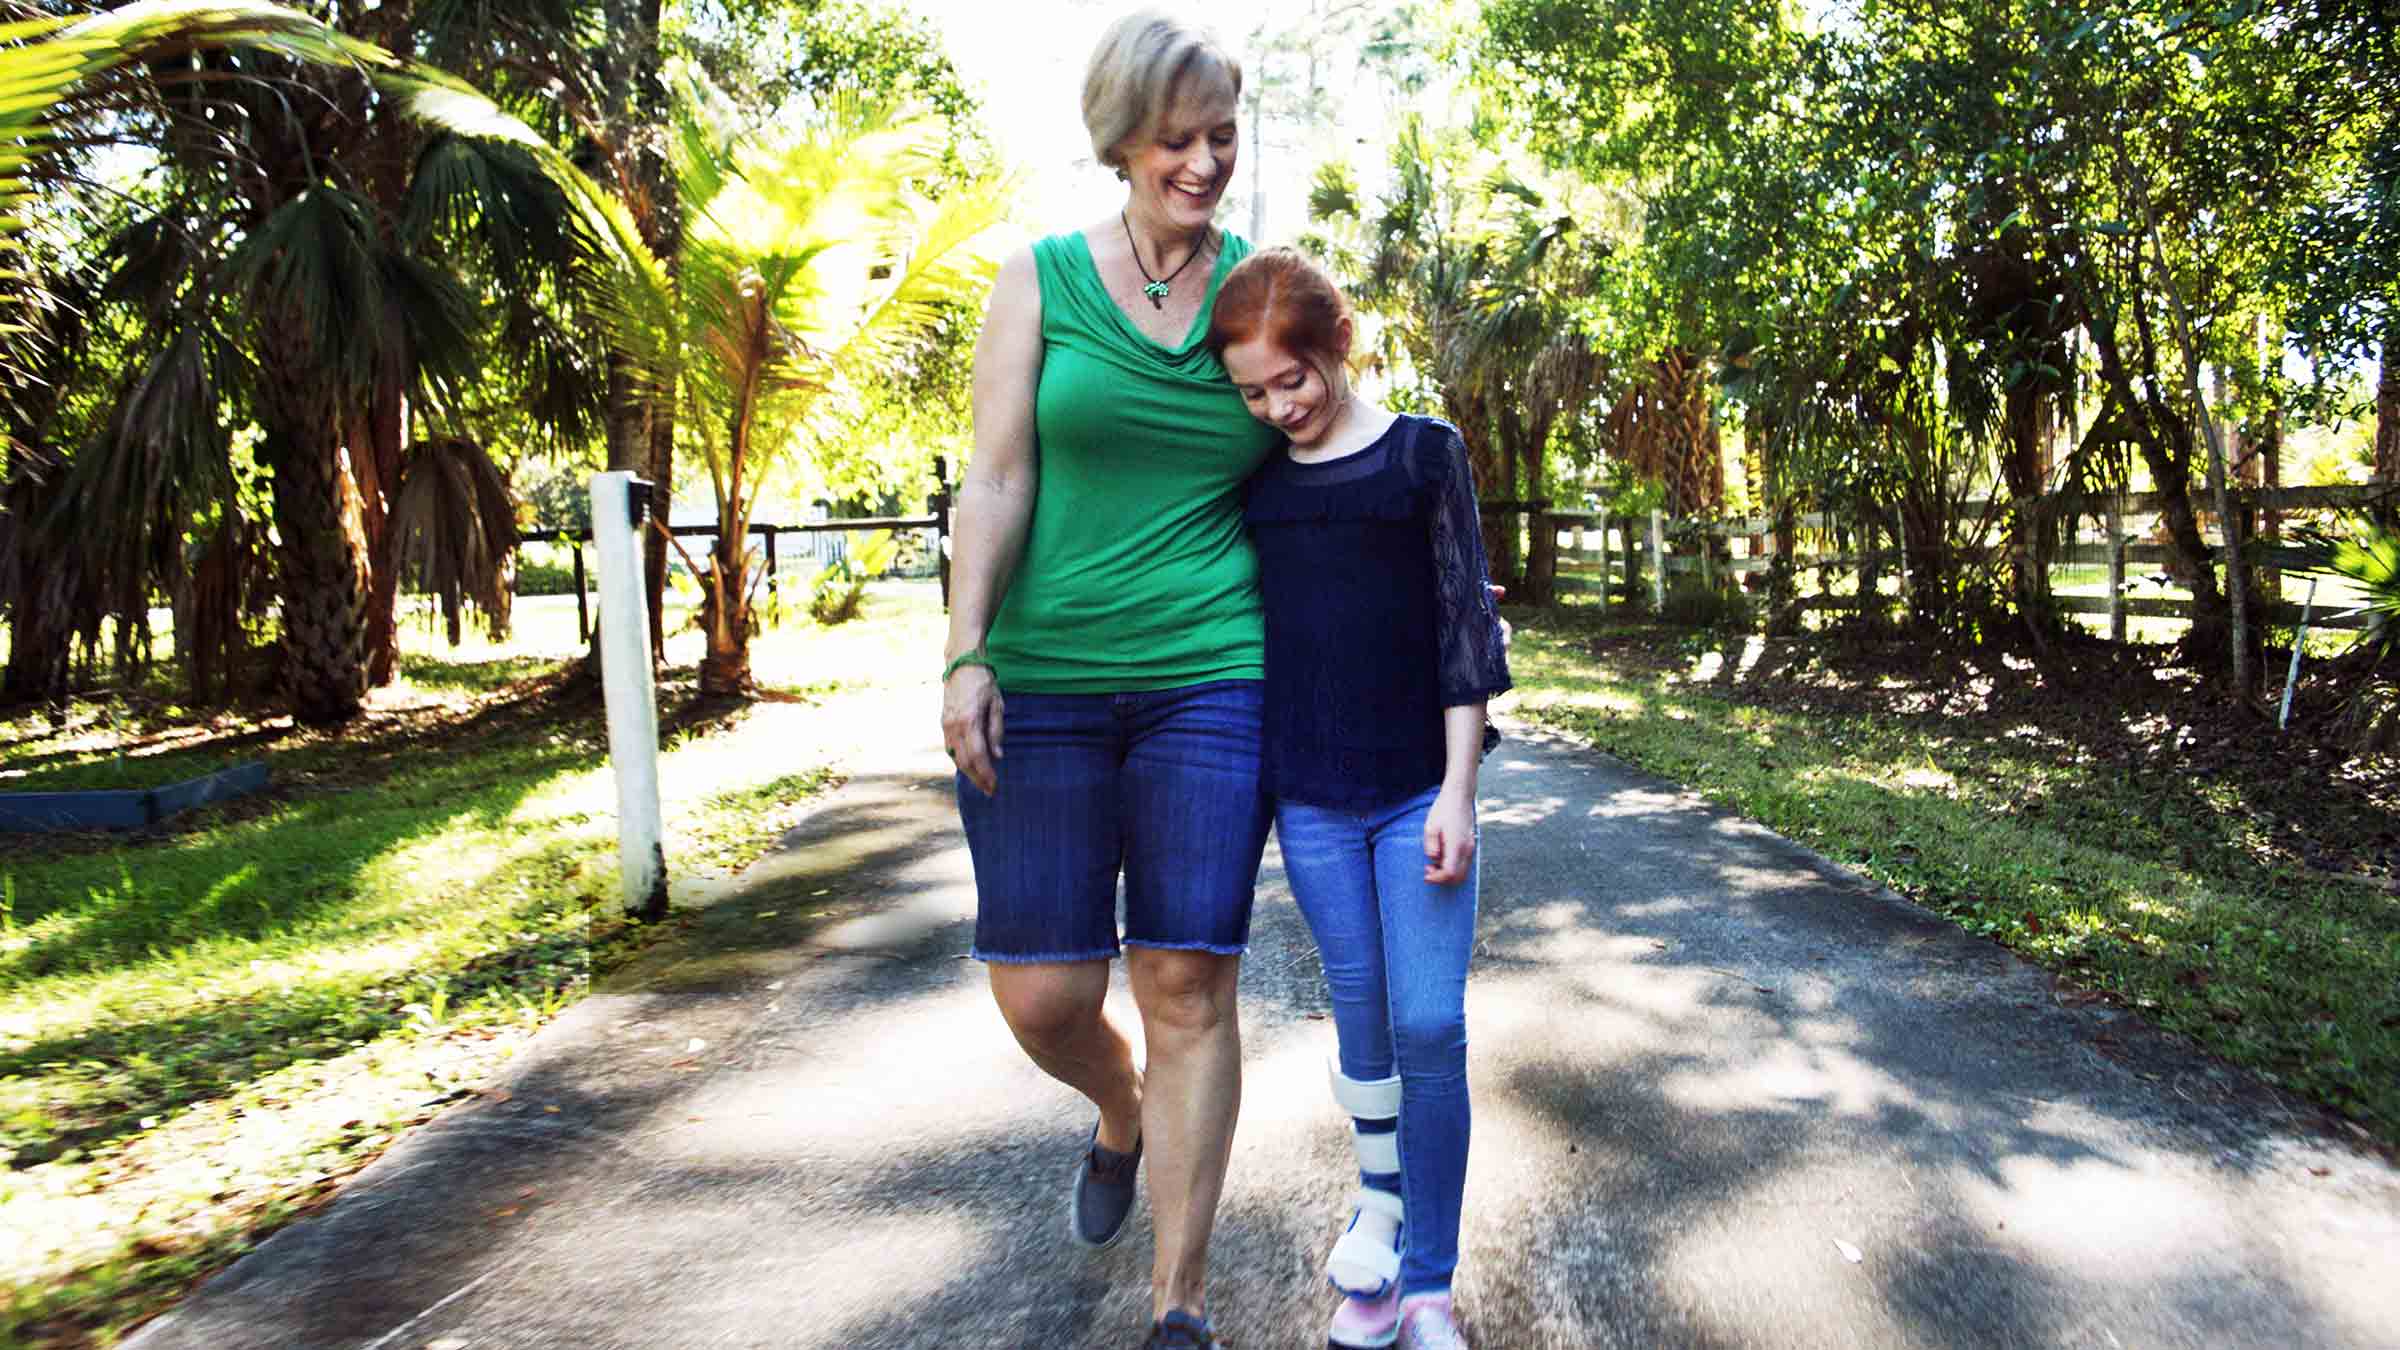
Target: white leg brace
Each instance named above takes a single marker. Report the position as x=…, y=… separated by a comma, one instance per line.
x=1366, y=1258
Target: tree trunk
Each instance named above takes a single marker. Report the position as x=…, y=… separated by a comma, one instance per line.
x=378, y=448
x=41, y=628
x=2387, y=415
x=1695, y=472
x=661, y=472
x=1541, y=560
x=2029, y=555
x=725, y=612
x=322, y=550
x=2165, y=441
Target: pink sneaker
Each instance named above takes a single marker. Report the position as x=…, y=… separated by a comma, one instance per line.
x=1425, y=1324
x=1366, y=1323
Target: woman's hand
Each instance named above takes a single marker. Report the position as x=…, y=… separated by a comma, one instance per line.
x=971, y=708
x=1449, y=837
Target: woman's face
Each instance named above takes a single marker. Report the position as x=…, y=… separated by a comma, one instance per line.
x=1178, y=169
x=1283, y=390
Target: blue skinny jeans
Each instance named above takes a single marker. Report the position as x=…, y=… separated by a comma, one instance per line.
x=1395, y=951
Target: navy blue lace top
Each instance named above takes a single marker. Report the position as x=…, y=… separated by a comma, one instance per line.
x=1378, y=616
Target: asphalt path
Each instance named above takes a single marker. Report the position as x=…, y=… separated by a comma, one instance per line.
x=1727, y=1094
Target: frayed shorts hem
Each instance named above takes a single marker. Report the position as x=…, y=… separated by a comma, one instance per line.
x=1041, y=958
x=1214, y=948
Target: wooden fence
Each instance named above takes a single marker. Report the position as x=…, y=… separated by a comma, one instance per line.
x=1590, y=560
x=938, y=522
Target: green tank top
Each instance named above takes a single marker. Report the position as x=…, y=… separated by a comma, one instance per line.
x=1136, y=573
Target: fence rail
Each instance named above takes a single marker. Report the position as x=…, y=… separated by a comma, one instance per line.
x=1604, y=569
x=938, y=522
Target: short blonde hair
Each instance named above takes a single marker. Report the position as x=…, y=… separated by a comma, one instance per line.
x=1134, y=71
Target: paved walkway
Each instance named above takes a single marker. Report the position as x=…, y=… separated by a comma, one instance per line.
x=1727, y=1095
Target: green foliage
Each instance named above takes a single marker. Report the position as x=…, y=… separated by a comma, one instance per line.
x=542, y=575
x=1624, y=492
x=835, y=595
x=784, y=54
x=2371, y=563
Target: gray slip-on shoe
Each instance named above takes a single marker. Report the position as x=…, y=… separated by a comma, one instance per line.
x=1102, y=1197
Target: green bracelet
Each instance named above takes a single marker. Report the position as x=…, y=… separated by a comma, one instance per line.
x=972, y=656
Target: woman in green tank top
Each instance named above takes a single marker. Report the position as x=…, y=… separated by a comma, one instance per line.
x=1104, y=597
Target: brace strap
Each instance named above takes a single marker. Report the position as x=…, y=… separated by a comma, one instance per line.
x=1366, y=1259
x=1368, y=1099
x=1377, y=1153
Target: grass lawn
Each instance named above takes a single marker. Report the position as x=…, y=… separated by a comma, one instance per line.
x=2233, y=888
x=204, y=1028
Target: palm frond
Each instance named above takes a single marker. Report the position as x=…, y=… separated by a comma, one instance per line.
x=456, y=525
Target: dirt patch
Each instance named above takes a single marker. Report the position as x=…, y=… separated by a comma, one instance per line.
x=2134, y=710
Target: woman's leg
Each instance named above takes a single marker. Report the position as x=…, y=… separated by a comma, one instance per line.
x=1046, y=845
x=1192, y=1094
x=1428, y=936
x=1055, y=1010
x=1195, y=821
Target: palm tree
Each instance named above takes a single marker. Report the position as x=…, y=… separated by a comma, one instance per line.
x=309, y=262
x=1483, y=288
x=811, y=263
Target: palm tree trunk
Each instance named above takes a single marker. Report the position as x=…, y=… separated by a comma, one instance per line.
x=322, y=554
x=725, y=669
x=41, y=628
x=654, y=541
x=377, y=448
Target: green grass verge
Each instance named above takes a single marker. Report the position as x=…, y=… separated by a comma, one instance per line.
x=101, y=773
x=2152, y=890
x=201, y=1033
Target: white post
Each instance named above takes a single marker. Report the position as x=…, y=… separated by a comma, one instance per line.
x=2116, y=570
x=2308, y=608
x=1658, y=564
x=625, y=679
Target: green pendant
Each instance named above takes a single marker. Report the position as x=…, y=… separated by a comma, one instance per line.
x=1157, y=291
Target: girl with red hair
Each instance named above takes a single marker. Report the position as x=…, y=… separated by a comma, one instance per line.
x=1382, y=646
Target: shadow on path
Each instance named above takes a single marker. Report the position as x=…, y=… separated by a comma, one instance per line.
x=1709, y=1069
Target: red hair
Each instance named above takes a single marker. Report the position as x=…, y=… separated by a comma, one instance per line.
x=1281, y=294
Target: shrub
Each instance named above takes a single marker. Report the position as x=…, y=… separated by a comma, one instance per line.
x=542, y=576
x=835, y=595
x=1697, y=604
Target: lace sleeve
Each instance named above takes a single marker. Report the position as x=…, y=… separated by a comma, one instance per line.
x=1473, y=658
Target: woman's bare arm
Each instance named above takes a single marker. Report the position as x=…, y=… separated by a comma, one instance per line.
x=993, y=512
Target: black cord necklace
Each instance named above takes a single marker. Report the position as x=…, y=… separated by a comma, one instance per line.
x=1157, y=287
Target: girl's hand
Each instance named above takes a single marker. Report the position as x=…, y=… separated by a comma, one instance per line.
x=1449, y=838
x=1508, y=635
x=971, y=725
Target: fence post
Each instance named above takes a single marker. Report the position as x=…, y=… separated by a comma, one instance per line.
x=1658, y=563
x=941, y=525
x=1608, y=579
x=583, y=618
x=2116, y=568
x=618, y=509
x=774, y=598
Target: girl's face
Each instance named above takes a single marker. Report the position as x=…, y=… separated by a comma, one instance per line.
x=1178, y=169
x=1284, y=391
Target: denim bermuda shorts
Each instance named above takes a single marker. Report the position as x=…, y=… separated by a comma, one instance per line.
x=1162, y=784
